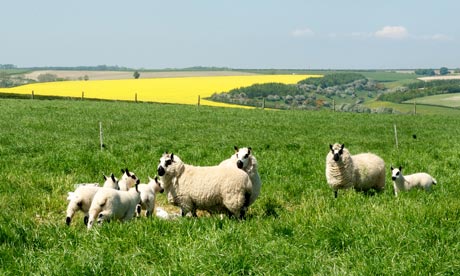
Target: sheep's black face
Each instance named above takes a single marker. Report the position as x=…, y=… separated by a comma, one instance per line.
x=395, y=173
x=337, y=152
x=243, y=157
x=165, y=162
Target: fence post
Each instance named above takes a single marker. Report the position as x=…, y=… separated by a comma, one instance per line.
x=415, y=108
x=333, y=105
x=33, y=95
x=82, y=95
x=135, y=97
x=100, y=136
x=396, y=136
x=198, y=100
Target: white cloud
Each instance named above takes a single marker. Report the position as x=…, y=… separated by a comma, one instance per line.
x=302, y=32
x=437, y=37
x=392, y=32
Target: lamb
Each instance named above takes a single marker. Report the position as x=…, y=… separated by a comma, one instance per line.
x=363, y=171
x=243, y=159
x=112, y=204
x=215, y=189
x=128, y=180
x=82, y=197
x=147, y=193
x=406, y=182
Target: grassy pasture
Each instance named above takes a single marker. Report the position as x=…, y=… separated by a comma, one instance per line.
x=296, y=227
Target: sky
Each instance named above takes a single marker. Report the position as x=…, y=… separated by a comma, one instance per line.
x=246, y=34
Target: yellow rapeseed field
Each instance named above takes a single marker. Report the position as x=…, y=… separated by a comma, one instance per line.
x=185, y=90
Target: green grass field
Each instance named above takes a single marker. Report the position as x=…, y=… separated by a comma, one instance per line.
x=296, y=227
x=449, y=100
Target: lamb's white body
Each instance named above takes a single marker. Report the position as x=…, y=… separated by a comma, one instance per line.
x=112, y=204
x=363, y=171
x=243, y=159
x=127, y=180
x=147, y=194
x=81, y=198
x=406, y=182
x=214, y=189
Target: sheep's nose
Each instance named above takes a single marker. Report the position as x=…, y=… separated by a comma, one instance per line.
x=161, y=171
x=393, y=178
x=336, y=157
x=162, y=190
x=239, y=164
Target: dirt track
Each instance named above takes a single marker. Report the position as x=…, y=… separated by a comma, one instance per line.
x=114, y=75
x=450, y=77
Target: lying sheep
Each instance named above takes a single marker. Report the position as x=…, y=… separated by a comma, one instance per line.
x=363, y=171
x=112, y=204
x=406, y=182
x=148, y=192
x=214, y=189
x=127, y=180
x=81, y=198
x=243, y=159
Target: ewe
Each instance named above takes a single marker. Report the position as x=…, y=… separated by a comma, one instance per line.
x=243, y=159
x=363, y=171
x=112, y=204
x=148, y=192
x=82, y=197
x=406, y=182
x=214, y=189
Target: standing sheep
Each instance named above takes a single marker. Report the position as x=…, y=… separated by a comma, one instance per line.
x=243, y=159
x=148, y=192
x=406, y=182
x=363, y=171
x=214, y=189
x=112, y=204
x=81, y=198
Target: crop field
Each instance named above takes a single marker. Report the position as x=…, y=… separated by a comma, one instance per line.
x=450, y=100
x=296, y=227
x=184, y=90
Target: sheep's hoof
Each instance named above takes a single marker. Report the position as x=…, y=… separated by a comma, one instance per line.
x=335, y=194
x=68, y=220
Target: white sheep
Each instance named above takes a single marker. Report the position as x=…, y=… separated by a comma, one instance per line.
x=214, y=189
x=245, y=160
x=127, y=180
x=147, y=193
x=406, y=182
x=81, y=198
x=363, y=171
x=111, y=204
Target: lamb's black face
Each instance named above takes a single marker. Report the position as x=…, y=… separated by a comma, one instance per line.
x=243, y=157
x=395, y=173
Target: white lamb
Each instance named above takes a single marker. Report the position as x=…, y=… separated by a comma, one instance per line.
x=127, y=180
x=214, y=189
x=363, y=171
x=112, y=204
x=81, y=198
x=148, y=192
x=406, y=182
x=243, y=159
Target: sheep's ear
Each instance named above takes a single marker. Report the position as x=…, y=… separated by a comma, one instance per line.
x=235, y=148
x=172, y=156
x=343, y=145
x=400, y=168
x=113, y=177
x=391, y=167
x=127, y=172
x=156, y=178
x=249, y=150
x=150, y=179
x=122, y=171
x=105, y=177
x=330, y=146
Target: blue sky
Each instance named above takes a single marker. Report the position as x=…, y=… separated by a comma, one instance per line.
x=321, y=34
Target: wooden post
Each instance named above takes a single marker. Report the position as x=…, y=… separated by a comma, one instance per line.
x=198, y=100
x=333, y=105
x=415, y=108
x=100, y=136
x=33, y=95
x=396, y=136
x=82, y=95
x=135, y=97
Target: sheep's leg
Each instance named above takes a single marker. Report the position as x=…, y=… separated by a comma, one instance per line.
x=138, y=210
x=85, y=219
x=335, y=194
